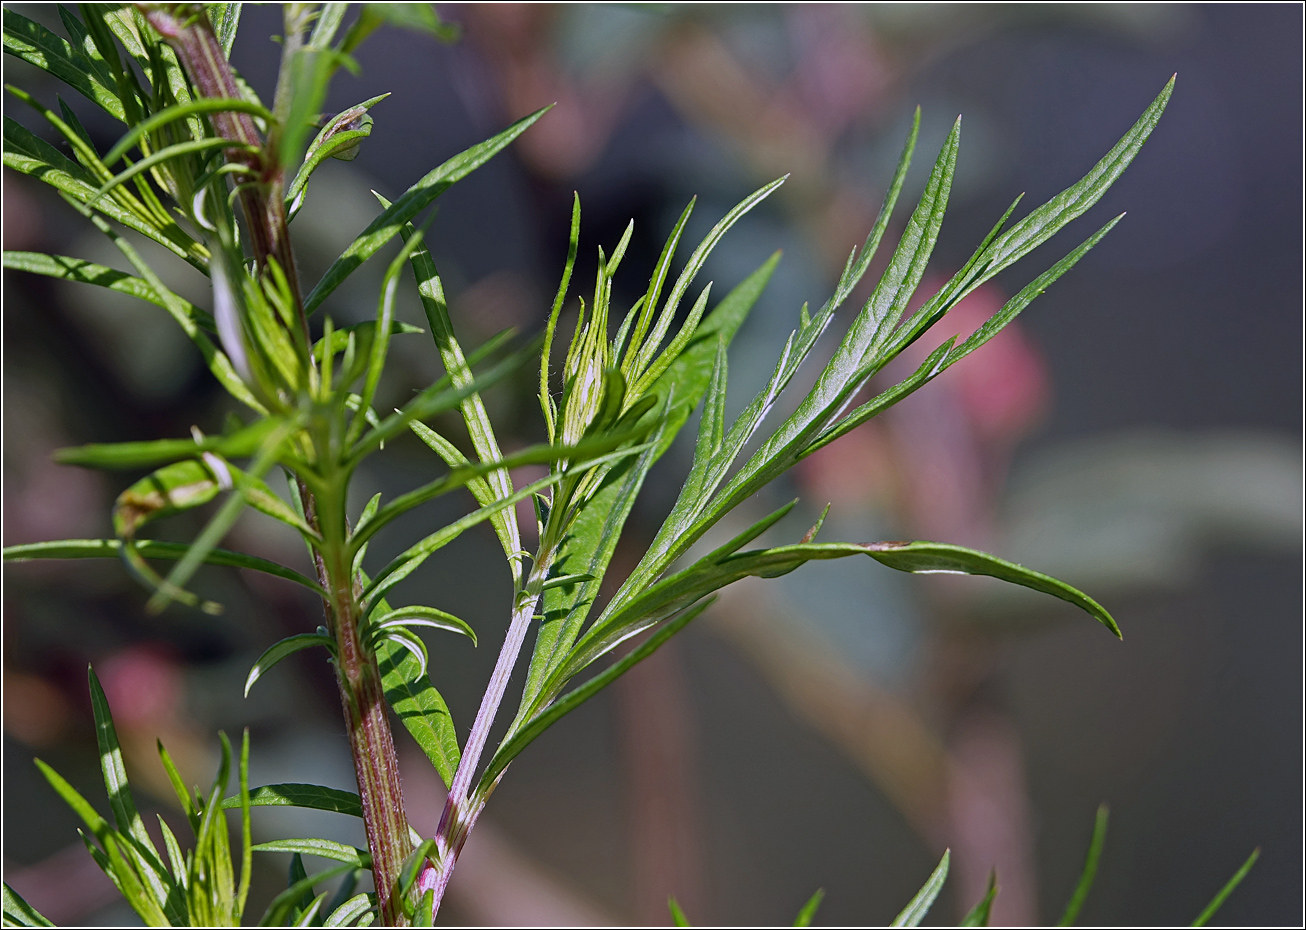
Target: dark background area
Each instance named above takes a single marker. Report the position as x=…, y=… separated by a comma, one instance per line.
x=1183, y=325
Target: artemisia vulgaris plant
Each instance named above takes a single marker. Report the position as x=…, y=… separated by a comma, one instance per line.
x=216, y=175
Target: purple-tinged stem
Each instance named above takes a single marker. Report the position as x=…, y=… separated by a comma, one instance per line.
x=458, y=818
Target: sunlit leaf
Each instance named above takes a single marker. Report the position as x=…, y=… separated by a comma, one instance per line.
x=38, y=46
x=925, y=558
x=326, y=849
x=919, y=906
x=384, y=228
x=314, y=797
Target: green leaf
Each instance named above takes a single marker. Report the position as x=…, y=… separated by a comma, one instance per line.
x=416, y=198
x=138, y=844
x=1045, y=221
x=678, y=918
x=846, y=370
x=1218, y=901
x=584, y=451
x=919, y=906
x=643, y=370
x=547, y=405
x=421, y=616
x=17, y=912
x=152, y=549
x=111, y=859
x=692, y=515
x=593, y=536
x=804, y=918
x=363, y=331
x=410, y=641
x=590, y=541
x=1085, y=884
x=182, y=111
x=242, y=443
x=381, y=333
x=978, y=916
x=440, y=397
x=26, y=153
x=84, y=272
x=417, y=17
x=221, y=521
x=279, y=910
x=309, y=71
x=169, y=490
x=411, y=868
x=225, y=18
x=497, y=483
x=419, y=707
x=339, y=138
x=38, y=46
x=924, y=558
x=278, y=651
x=309, y=917
x=314, y=797
x=246, y=831
x=348, y=912
x=326, y=849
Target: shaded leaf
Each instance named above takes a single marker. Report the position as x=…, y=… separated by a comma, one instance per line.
x=1085, y=883
x=1218, y=901
x=978, y=916
x=151, y=549
x=278, y=651
x=84, y=272
x=804, y=918
x=279, y=910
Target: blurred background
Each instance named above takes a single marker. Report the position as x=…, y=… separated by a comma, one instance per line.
x=1137, y=433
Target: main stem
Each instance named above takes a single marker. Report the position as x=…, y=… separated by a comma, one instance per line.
x=367, y=722
x=362, y=696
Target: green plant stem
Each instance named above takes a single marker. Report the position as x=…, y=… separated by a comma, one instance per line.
x=187, y=29
x=362, y=699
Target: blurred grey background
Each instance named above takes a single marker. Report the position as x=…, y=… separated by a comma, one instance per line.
x=1138, y=434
